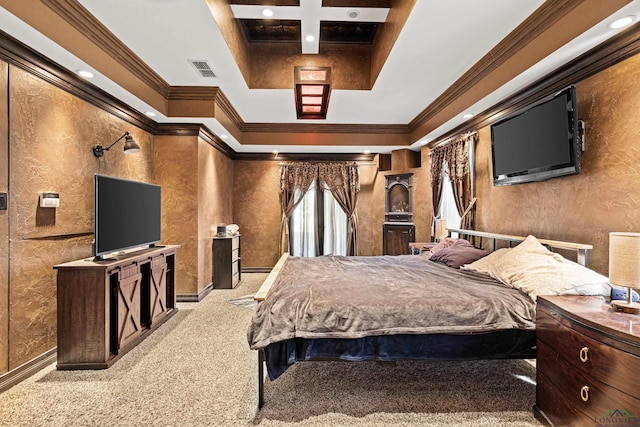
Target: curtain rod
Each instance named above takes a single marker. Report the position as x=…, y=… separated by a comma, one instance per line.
x=447, y=140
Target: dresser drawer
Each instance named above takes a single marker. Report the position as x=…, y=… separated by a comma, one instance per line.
x=235, y=254
x=552, y=403
x=607, y=364
x=235, y=243
x=578, y=389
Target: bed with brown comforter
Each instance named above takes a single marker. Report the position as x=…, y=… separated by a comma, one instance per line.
x=386, y=308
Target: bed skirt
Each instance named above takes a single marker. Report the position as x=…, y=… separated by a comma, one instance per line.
x=505, y=344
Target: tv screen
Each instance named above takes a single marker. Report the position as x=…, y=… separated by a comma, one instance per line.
x=127, y=214
x=539, y=142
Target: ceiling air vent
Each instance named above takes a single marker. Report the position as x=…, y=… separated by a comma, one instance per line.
x=202, y=67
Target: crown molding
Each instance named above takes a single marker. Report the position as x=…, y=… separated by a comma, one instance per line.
x=324, y=128
x=612, y=51
x=81, y=19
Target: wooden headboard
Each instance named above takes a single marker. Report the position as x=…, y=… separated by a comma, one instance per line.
x=581, y=249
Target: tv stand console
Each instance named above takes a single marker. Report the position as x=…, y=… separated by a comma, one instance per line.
x=106, y=307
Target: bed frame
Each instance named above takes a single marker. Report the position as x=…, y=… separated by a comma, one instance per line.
x=582, y=257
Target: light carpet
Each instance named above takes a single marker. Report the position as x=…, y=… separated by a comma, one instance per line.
x=197, y=370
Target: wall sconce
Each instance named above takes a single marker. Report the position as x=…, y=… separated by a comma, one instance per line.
x=312, y=90
x=130, y=146
x=624, y=268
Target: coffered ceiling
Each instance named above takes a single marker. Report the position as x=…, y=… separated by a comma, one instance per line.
x=404, y=72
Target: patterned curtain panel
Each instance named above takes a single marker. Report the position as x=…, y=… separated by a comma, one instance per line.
x=343, y=180
x=295, y=180
x=457, y=156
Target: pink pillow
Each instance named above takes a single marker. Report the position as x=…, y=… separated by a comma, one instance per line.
x=459, y=253
x=446, y=243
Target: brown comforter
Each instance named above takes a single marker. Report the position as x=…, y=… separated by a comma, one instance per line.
x=354, y=297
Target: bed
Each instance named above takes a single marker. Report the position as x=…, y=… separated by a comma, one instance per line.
x=389, y=308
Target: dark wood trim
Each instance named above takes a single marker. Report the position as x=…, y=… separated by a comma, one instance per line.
x=16, y=53
x=26, y=370
x=193, y=296
x=324, y=128
x=308, y=157
x=257, y=270
x=610, y=52
x=81, y=19
x=543, y=18
x=217, y=143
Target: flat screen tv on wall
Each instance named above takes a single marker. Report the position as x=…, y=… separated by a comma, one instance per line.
x=127, y=215
x=539, y=142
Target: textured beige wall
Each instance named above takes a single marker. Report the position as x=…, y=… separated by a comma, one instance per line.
x=176, y=160
x=215, y=204
x=256, y=210
x=4, y=219
x=51, y=134
x=584, y=208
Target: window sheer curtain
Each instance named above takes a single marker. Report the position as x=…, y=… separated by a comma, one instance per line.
x=343, y=180
x=457, y=155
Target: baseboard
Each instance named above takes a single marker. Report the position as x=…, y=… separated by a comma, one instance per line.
x=257, y=270
x=27, y=369
x=195, y=297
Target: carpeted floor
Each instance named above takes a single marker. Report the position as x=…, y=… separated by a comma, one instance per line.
x=197, y=370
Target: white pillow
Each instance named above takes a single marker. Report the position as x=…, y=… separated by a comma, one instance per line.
x=486, y=264
x=533, y=269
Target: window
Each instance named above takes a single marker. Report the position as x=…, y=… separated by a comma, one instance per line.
x=448, y=210
x=318, y=225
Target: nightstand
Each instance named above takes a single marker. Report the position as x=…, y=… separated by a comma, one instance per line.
x=588, y=362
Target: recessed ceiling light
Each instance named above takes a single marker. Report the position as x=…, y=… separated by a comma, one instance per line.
x=275, y=153
x=267, y=13
x=150, y=114
x=353, y=14
x=367, y=151
x=224, y=136
x=84, y=73
x=468, y=116
x=622, y=22
x=310, y=38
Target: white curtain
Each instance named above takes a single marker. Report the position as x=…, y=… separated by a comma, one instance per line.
x=305, y=230
x=335, y=226
x=448, y=210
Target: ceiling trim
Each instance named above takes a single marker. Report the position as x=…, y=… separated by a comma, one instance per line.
x=81, y=19
x=307, y=157
x=17, y=53
x=324, y=128
x=540, y=21
x=612, y=51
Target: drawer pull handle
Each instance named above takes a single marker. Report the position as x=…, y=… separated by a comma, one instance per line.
x=584, y=354
x=584, y=393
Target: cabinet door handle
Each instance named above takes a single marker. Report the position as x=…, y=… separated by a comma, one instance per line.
x=584, y=393
x=584, y=354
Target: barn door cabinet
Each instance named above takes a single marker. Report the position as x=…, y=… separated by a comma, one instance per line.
x=106, y=307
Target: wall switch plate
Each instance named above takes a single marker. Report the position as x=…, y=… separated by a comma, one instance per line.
x=3, y=201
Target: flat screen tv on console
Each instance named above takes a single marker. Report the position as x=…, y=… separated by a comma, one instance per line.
x=539, y=142
x=127, y=215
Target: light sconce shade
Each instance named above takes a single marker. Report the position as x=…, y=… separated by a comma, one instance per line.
x=130, y=146
x=312, y=90
x=440, y=229
x=624, y=267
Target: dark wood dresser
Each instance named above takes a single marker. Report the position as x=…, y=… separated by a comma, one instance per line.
x=588, y=363
x=226, y=262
